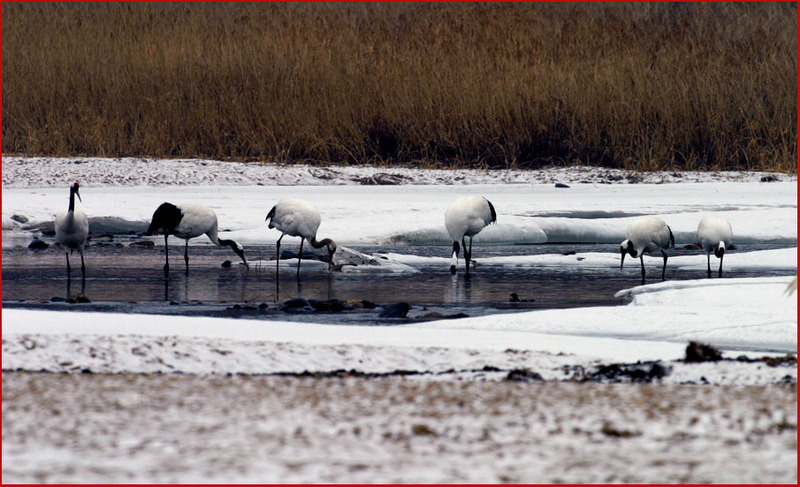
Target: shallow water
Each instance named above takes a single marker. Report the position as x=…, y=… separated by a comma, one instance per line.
x=131, y=279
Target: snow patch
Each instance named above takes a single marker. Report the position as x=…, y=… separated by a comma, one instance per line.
x=22, y=171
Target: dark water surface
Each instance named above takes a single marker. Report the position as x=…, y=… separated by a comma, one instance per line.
x=131, y=279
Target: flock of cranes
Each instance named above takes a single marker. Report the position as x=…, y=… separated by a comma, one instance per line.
x=295, y=217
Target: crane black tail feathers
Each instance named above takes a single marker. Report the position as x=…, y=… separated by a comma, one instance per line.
x=271, y=215
x=671, y=237
x=166, y=217
x=494, y=213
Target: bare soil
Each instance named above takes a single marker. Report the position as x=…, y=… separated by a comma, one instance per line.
x=183, y=428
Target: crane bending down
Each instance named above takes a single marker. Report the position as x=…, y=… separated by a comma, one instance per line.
x=186, y=221
x=466, y=217
x=715, y=235
x=647, y=234
x=298, y=218
x=72, y=228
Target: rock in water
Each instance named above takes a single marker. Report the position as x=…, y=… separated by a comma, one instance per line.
x=296, y=305
x=360, y=304
x=143, y=243
x=37, y=244
x=395, y=310
x=78, y=298
x=329, y=306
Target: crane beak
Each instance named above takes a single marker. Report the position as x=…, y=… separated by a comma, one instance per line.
x=78, y=194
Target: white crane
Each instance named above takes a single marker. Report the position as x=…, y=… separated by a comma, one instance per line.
x=646, y=234
x=715, y=235
x=466, y=217
x=298, y=218
x=186, y=221
x=72, y=228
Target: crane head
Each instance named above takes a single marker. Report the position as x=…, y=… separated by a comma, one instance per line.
x=626, y=247
x=75, y=189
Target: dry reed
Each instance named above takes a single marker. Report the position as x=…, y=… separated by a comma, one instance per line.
x=641, y=86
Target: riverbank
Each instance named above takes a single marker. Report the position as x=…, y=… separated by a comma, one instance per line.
x=186, y=429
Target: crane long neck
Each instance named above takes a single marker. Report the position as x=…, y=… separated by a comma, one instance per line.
x=235, y=247
x=71, y=200
x=213, y=236
x=322, y=243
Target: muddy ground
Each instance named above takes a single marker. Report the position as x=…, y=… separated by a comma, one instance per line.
x=184, y=428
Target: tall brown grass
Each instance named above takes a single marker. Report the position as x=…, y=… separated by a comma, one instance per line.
x=641, y=86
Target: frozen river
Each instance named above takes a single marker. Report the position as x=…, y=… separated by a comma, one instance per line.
x=160, y=384
x=131, y=279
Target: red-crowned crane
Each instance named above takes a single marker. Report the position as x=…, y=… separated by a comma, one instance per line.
x=186, y=221
x=715, y=235
x=646, y=234
x=72, y=228
x=298, y=218
x=466, y=217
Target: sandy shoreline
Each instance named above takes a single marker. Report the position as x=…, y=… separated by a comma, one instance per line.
x=187, y=428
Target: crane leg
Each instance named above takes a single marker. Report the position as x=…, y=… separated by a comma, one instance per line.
x=664, y=269
x=300, y=257
x=470, y=248
x=166, y=254
x=708, y=261
x=641, y=259
x=69, y=269
x=720, y=265
x=466, y=253
x=186, y=255
x=278, y=255
x=83, y=266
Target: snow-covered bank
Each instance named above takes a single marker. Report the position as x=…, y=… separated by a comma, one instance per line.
x=744, y=315
x=738, y=314
x=19, y=172
x=413, y=215
x=775, y=259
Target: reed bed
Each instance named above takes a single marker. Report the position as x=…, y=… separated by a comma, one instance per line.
x=640, y=86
